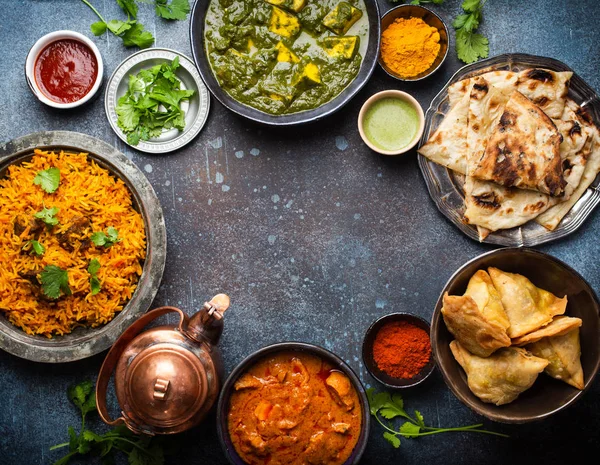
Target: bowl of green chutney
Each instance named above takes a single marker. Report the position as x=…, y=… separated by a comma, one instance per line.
x=391, y=122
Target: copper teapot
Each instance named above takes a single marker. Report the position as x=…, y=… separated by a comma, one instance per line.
x=167, y=378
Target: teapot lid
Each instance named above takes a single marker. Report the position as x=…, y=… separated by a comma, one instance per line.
x=166, y=383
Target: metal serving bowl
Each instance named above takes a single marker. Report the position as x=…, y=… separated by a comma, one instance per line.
x=547, y=395
x=416, y=11
x=311, y=349
x=85, y=342
x=197, y=22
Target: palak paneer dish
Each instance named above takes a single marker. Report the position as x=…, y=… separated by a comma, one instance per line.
x=294, y=408
x=285, y=56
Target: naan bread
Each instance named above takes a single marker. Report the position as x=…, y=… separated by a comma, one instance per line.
x=492, y=206
x=505, y=81
x=523, y=150
x=486, y=106
x=528, y=307
x=500, y=378
x=481, y=289
x=564, y=356
x=557, y=327
x=551, y=218
x=447, y=146
x=576, y=146
x=547, y=89
x=467, y=323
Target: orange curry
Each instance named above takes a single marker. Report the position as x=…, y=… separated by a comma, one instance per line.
x=294, y=408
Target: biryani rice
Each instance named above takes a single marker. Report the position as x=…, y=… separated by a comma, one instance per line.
x=87, y=191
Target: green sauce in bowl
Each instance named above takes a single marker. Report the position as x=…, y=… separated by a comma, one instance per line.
x=391, y=123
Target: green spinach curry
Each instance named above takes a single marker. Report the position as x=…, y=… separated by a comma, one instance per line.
x=285, y=56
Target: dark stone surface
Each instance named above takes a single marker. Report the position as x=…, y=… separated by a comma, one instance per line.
x=311, y=234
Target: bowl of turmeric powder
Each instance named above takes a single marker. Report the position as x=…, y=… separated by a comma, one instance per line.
x=414, y=42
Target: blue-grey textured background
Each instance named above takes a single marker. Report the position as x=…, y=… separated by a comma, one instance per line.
x=311, y=234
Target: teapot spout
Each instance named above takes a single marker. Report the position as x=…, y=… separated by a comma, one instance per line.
x=207, y=324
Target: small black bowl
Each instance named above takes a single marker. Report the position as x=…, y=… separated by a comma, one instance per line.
x=337, y=362
x=197, y=22
x=367, y=352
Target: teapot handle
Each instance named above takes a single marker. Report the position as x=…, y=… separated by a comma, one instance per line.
x=113, y=356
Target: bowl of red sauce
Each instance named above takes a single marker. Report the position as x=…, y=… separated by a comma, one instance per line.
x=64, y=69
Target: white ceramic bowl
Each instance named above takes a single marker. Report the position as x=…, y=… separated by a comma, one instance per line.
x=36, y=50
x=398, y=94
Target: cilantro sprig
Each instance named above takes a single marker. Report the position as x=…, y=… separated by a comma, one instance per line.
x=140, y=450
x=470, y=46
x=36, y=247
x=152, y=103
x=131, y=31
x=48, y=180
x=173, y=10
x=93, y=269
x=55, y=281
x=108, y=239
x=390, y=406
x=48, y=216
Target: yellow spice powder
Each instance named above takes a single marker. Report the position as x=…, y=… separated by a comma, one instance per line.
x=409, y=46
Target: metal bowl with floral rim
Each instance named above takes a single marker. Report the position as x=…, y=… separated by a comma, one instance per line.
x=85, y=342
x=446, y=187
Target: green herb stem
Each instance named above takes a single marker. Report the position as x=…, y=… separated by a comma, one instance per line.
x=58, y=446
x=94, y=10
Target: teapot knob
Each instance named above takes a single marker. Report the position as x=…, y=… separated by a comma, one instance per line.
x=161, y=386
x=217, y=305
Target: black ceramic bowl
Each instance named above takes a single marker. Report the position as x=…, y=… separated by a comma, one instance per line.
x=197, y=21
x=547, y=395
x=367, y=352
x=334, y=360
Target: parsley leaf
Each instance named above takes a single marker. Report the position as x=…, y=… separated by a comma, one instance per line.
x=107, y=239
x=152, y=103
x=470, y=46
x=387, y=406
x=93, y=269
x=131, y=31
x=176, y=9
x=36, y=247
x=129, y=7
x=48, y=216
x=140, y=450
x=136, y=35
x=54, y=281
x=48, y=179
x=392, y=438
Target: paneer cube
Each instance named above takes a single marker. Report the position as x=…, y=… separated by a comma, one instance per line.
x=341, y=47
x=285, y=54
x=292, y=5
x=262, y=410
x=284, y=24
x=277, y=85
x=307, y=75
x=341, y=18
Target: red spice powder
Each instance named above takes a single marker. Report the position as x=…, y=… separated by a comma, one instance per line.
x=401, y=349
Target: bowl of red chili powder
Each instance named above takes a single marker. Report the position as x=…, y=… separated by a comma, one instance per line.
x=397, y=350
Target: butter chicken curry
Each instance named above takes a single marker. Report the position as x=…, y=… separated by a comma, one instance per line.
x=294, y=408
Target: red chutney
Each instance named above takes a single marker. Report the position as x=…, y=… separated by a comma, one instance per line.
x=66, y=70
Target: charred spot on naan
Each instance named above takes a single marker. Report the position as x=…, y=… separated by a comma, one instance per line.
x=537, y=74
x=535, y=207
x=489, y=200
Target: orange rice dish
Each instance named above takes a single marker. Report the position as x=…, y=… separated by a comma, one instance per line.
x=87, y=202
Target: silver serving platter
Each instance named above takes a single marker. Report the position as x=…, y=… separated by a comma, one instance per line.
x=85, y=342
x=196, y=108
x=445, y=187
